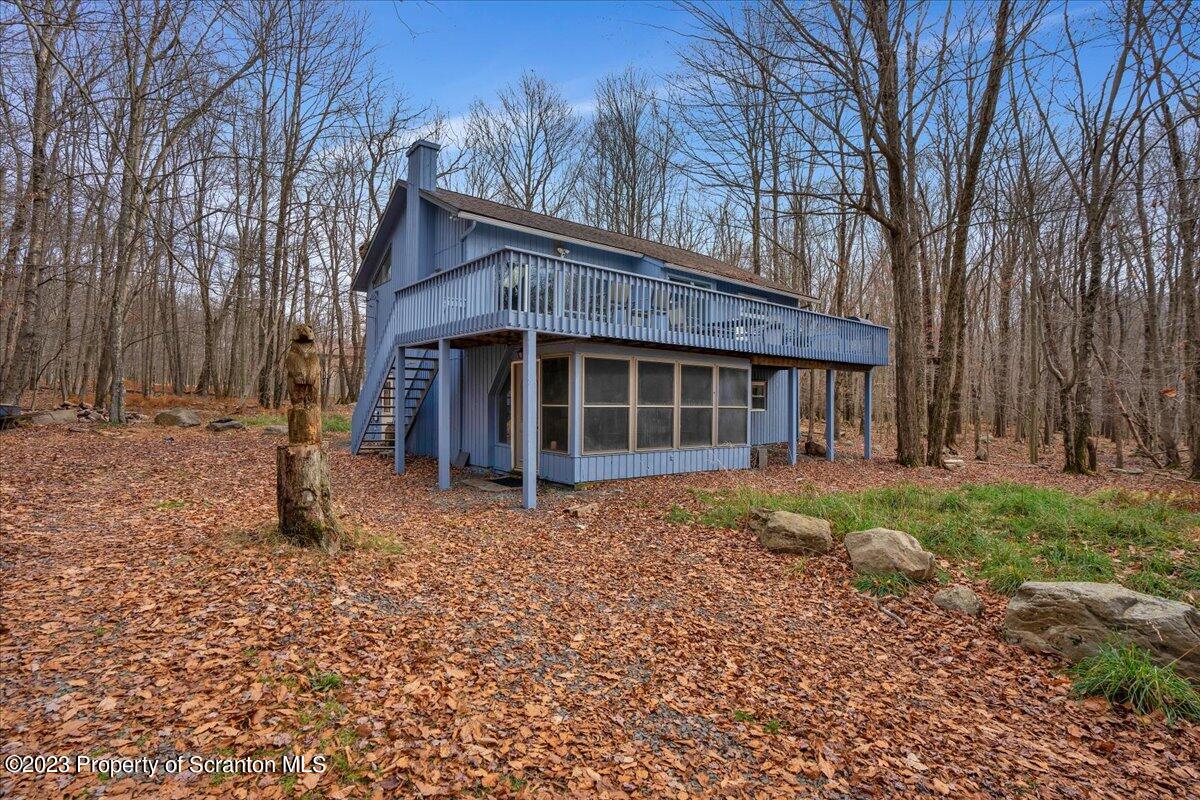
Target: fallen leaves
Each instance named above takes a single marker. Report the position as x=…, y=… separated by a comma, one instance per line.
x=505, y=653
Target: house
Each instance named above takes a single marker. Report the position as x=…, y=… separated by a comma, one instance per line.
x=646, y=359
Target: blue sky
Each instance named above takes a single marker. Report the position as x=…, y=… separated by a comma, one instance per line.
x=448, y=53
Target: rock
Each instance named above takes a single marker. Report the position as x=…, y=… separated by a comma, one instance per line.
x=133, y=416
x=177, y=418
x=275, y=430
x=55, y=417
x=953, y=463
x=1128, y=470
x=1075, y=618
x=880, y=550
x=225, y=424
x=959, y=600
x=583, y=510
x=786, y=532
x=812, y=448
x=981, y=453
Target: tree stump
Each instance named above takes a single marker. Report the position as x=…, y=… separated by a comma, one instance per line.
x=301, y=469
x=305, y=507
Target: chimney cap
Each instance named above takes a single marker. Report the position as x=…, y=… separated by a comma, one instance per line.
x=423, y=143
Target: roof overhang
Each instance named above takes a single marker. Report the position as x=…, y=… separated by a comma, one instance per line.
x=547, y=234
x=379, y=239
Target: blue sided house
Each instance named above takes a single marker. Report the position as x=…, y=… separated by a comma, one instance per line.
x=511, y=341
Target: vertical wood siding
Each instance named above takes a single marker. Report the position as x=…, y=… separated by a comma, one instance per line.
x=660, y=462
x=770, y=426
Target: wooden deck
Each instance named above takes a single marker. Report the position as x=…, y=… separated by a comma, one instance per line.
x=512, y=290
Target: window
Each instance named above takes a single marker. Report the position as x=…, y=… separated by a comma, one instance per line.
x=731, y=413
x=384, y=270
x=504, y=413
x=758, y=396
x=695, y=405
x=556, y=399
x=655, y=405
x=605, y=405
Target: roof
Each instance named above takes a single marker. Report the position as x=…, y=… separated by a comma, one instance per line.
x=557, y=226
x=686, y=260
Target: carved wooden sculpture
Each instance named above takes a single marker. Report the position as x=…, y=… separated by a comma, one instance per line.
x=305, y=508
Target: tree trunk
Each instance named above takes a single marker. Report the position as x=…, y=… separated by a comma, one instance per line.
x=305, y=506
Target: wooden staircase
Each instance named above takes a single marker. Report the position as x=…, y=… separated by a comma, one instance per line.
x=420, y=368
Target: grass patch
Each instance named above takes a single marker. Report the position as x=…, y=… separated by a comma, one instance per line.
x=169, y=505
x=333, y=423
x=362, y=539
x=1127, y=675
x=325, y=681
x=678, y=515
x=1007, y=533
x=883, y=584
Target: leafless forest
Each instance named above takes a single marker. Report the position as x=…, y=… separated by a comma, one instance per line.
x=1013, y=187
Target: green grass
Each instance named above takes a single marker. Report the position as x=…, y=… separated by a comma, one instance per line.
x=169, y=505
x=333, y=423
x=326, y=681
x=883, y=584
x=1127, y=675
x=1007, y=533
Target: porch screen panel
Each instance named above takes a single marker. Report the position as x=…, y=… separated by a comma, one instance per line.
x=655, y=405
x=733, y=388
x=695, y=405
x=556, y=398
x=605, y=405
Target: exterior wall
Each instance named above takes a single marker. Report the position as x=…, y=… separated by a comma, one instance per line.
x=660, y=462
x=485, y=238
x=577, y=467
x=422, y=438
x=770, y=426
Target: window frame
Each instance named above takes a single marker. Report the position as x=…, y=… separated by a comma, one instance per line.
x=565, y=406
x=629, y=405
x=718, y=407
x=754, y=385
x=674, y=405
x=712, y=406
x=383, y=270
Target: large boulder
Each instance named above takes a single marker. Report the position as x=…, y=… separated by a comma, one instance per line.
x=177, y=418
x=881, y=550
x=959, y=600
x=786, y=532
x=55, y=417
x=225, y=424
x=1074, y=619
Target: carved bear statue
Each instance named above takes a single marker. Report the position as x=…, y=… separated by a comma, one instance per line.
x=303, y=368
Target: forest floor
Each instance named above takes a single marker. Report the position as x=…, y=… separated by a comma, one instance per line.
x=462, y=646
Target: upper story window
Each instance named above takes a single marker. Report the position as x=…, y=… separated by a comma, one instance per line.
x=384, y=271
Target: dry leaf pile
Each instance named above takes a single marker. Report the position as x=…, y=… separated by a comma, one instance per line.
x=465, y=647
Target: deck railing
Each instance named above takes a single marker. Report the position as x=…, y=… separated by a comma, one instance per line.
x=516, y=289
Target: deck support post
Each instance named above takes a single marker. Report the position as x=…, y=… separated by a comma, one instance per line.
x=443, y=414
x=793, y=404
x=529, y=420
x=867, y=415
x=830, y=410
x=398, y=414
